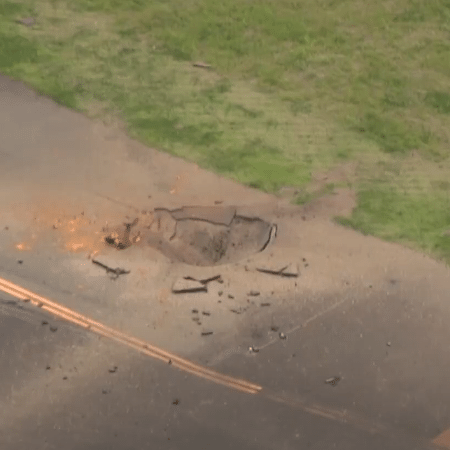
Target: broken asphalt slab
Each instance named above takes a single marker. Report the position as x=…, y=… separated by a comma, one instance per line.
x=184, y=285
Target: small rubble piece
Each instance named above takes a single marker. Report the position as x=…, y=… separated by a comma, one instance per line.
x=44, y=322
x=282, y=335
x=388, y=344
x=264, y=304
x=253, y=349
x=333, y=381
x=113, y=369
x=176, y=402
x=206, y=313
x=53, y=329
x=206, y=280
x=113, y=273
x=253, y=293
x=287, y=271
x=27, y=21
x=201, y=65
x=207, y=333
x=20, y=261
x=183, y=286
x=274, y=328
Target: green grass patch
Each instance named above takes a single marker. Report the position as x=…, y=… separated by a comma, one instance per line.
x=439, y=100
x=421, y=221
x=294, y=87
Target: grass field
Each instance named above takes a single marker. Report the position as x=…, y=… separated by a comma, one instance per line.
x=295, y=87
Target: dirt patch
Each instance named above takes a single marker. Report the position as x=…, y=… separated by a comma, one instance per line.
x=341, y=174
x=328, y=194
x=341, y=202
x=200, y=236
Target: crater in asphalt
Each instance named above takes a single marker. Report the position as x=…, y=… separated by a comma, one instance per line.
x=201, y=236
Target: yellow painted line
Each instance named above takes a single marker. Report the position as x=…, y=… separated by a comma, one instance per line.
x=146, y=348
x=342, y=416
x=443, y=440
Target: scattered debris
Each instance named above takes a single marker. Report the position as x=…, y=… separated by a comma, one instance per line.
x=253, y=349
x=274, y=328
x=333, y=381
x=44, y=322
x=53, y=329
x=27, y=21
x=206, y=313
x=207, y=333
x=230, y=296
x=253, y=293
x=113, y=273
x=264, y=304
x=201, y=65
x=183, y=285
x=113, y=370
x=196, y=319
x=235, y=311
x=287, y=271
x=220, y=293
x=48, y=368
x=175, y=402
x=195, y=311
x=282, y=335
